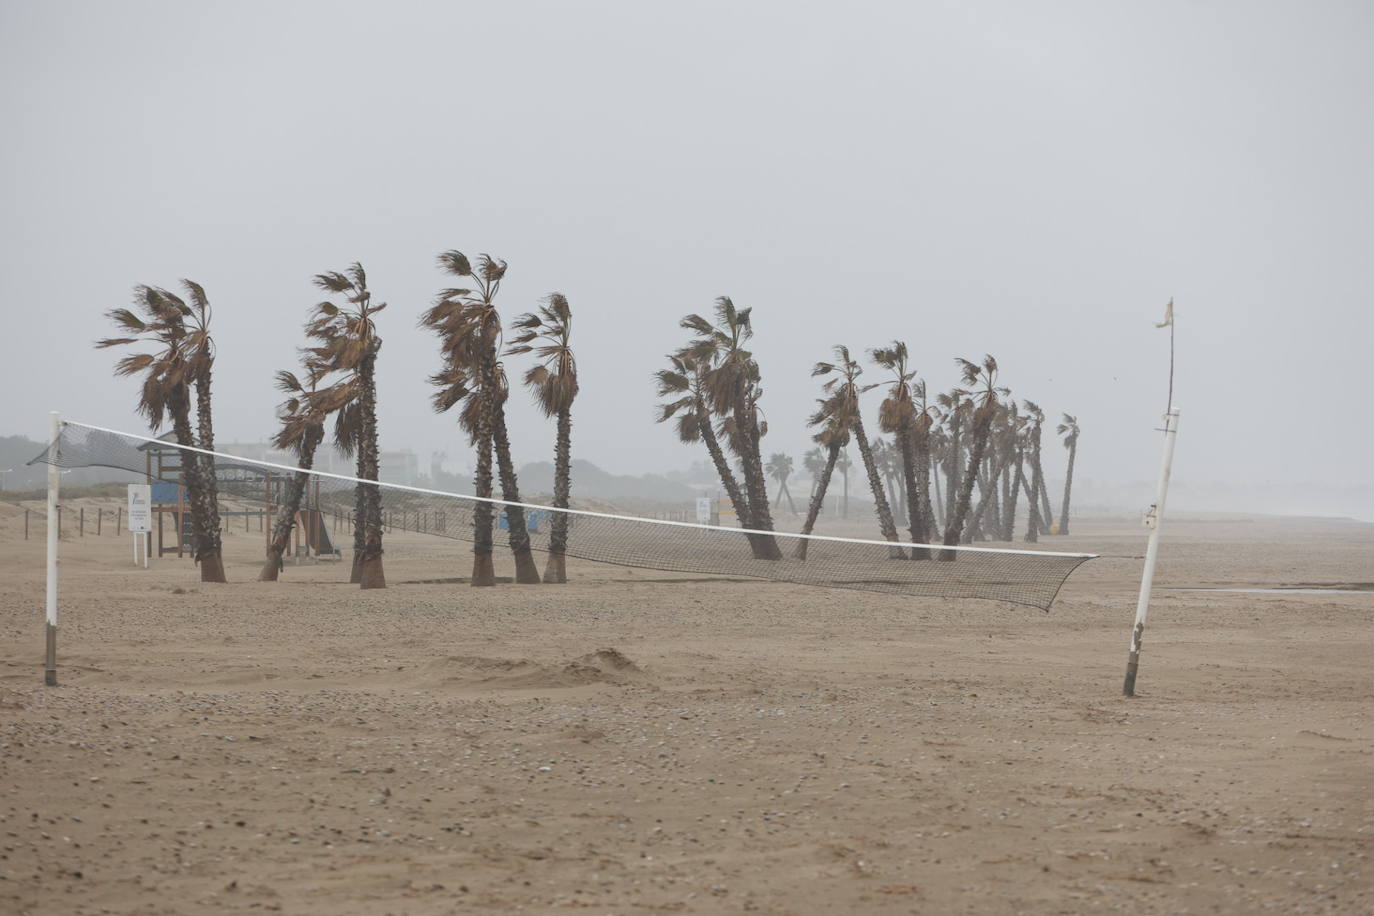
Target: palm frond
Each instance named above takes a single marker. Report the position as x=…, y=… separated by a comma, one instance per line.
x=456, y=263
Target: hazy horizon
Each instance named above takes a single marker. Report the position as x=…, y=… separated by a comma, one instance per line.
x=1034, y=183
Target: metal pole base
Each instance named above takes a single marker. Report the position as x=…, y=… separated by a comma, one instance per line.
x=1128, y=688
x=50, y=671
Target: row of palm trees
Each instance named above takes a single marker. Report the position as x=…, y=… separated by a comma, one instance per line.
x=338, y=380
x=1011, y=427
x=975, y=435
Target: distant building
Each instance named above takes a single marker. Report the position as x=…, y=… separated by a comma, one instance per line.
x=255, y=451
x=401, y=467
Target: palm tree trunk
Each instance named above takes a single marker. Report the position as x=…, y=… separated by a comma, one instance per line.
x=179, y=407
x=483, y=513
x=359, y=510
x=1033, y=491
x=817, y=500
x=939, y=516
x=286, y=516
x=982, y=426
x=880, y=504
x=526, y=571
x=1009, y=507
x=1046, y=513
x=373, y=575
x=727, y=479
x=756, y=487
x=1017, y=481
x=913, y=492
x=211, y=550
x=973, y=529
x=1068, y=486
x=993, y=517
x=985, y=516
x=952, y=469
x=556, y=568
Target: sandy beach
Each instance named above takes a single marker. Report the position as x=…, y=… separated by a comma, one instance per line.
x=644, y=742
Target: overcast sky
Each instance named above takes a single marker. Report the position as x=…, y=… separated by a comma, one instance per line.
x=1032, y=180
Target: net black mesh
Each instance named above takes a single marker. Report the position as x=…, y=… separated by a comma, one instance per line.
x=1020, y=577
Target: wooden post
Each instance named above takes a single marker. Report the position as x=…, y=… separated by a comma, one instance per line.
x=99, y=519
x=81, y=525
x=26, y=524
x=181, y=510
x=119, y=520
x=267, y=500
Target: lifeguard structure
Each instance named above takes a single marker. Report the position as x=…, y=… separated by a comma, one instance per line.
x=247, y=483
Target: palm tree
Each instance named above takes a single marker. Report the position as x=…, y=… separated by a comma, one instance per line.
x=554, y=383
x=779, y=467
x=469, y=329
x=844, y=384
x=1035, y=421
x=834, y=418
x=200, y=359
x=302, y=430
x=347, y=346
x=733, y=389
x=898, y=415
x=1069, y=430
x=685, y=384
x=985, y=378
x=182, y=361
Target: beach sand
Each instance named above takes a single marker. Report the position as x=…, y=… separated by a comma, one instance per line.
x=652, y=742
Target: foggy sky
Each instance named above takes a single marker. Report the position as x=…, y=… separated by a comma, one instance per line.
x=1033, y=181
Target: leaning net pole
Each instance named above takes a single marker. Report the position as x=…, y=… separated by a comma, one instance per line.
x=1142, y=608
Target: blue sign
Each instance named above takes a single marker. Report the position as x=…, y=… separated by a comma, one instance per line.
x=165, y=491
x=532, y=519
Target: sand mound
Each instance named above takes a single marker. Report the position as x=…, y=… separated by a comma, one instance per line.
x=609, y=660
x=604, y=666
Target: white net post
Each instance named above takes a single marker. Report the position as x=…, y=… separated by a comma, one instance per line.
x=54, y=482
x=1147, y=578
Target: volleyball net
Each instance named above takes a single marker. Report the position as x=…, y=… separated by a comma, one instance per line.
x=1026, y=577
